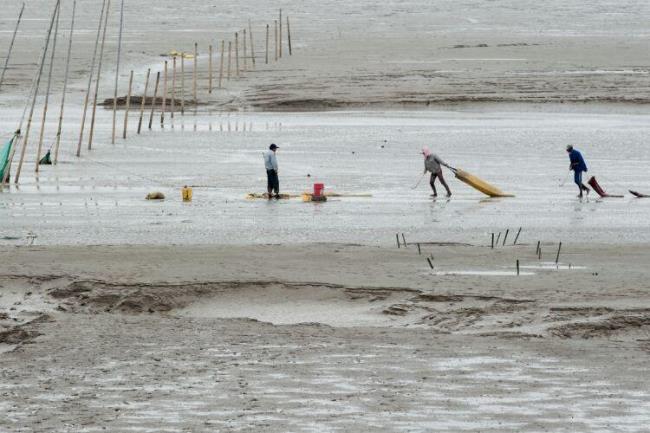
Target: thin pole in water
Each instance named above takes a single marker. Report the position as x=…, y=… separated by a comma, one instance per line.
x=498, y=237
x=517, y=266
x=11, y=45
x=557, y=257
x=144, y=99
x=266, y=58
x=397, y=238
x=90, y=79
x=492, y=244
x=430, y=264
x=173, y=86
x=99, y=73
x=517, y=237
x=194, y=72
x=117, y=70
x=250, y=38
x=65, y=85
x=35, y=93
x=223, y=47
x=404, y=239
x=276, y=39
x=289, y=36
x=47, y=91
x=236, y=54
x=128, y=105
x=505, y=237
x=153, y=102
x=419, y=251
x=182, y=84
x=229, y=57
x=210, y=69
x=280, y=35
x=164, y=101
x=245, y=51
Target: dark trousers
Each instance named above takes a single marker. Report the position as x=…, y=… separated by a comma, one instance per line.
x=273, y=182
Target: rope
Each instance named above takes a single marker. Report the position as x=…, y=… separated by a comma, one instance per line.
x=11, y=45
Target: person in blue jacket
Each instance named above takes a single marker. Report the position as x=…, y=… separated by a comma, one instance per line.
x=579, y=166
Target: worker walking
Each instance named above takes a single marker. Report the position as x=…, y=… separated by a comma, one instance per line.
x=578, y=165
x=271, y=165
x=433, y=164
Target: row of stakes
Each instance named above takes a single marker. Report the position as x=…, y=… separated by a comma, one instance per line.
x=538, y=250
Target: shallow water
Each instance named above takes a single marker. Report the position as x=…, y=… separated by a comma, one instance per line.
x=99, y=199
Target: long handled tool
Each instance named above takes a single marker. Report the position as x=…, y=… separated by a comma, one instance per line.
x=566, y=177
x=419, y=180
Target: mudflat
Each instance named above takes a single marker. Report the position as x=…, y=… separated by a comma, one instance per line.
x=325, y=336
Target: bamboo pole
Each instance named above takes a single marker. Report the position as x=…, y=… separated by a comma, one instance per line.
x=245, y=60
x=11, y=45
x=289, y=36
x=196, y=56
x=153, y=103
x=210, y=69
x=280, y=35
x=164, y=101
x=223, y=44
x=250, y=38
x=236, y=54
x=90, y=79
x=47, y=91
x=229, y=57
x=173, y=86
x=144, y=99
x=35, y=94
x=117, y=70
x=65, y=85
x=128, y=105
x=182, y=84
x=266, y=59
x=99, y=74
x=276, y=39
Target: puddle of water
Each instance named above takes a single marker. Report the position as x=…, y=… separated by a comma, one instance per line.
x=485, y=273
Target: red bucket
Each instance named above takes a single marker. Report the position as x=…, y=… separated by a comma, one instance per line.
x=318, y=189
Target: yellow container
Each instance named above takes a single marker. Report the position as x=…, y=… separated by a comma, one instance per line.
x=187, y=193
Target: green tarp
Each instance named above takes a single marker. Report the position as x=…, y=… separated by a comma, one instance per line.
x=4, y=157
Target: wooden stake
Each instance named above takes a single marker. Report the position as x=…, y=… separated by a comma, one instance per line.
x=492, y=245
x=144, y=98
x=35, y=95
x=99, y=73
x=537, y=250
x=223, y=45
x=397, y=237
x=164, y=101
x=128, y=105
x=210, y=69
x=11, y=45
x=517, y=267
x=430, y=263
x=236, y=54
x=498, y=237
x=173, y=86
x=153, y=103
x=245, y=54
x=266, y=58
x=250, y=38
x=404, y=239
x=557, y=257
x=280, y=35
x=229, y=57
x=505, y=237
x=65, y=86
x=90, y=79
x=419, y=251
x=117, y=70
x=289, y=36
x=517, y=237
x=276, y=39
x=47, y=91
x=194, y=72
x=182, y=84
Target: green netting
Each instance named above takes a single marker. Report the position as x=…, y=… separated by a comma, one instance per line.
x=4, y=157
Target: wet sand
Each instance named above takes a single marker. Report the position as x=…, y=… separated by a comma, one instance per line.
x=324, y=336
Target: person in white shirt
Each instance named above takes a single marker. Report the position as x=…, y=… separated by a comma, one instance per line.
x=271, y=165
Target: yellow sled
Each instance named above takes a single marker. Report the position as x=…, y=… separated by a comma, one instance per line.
x=479, y=184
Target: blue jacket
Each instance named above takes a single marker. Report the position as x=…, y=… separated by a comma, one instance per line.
x=577, y=161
